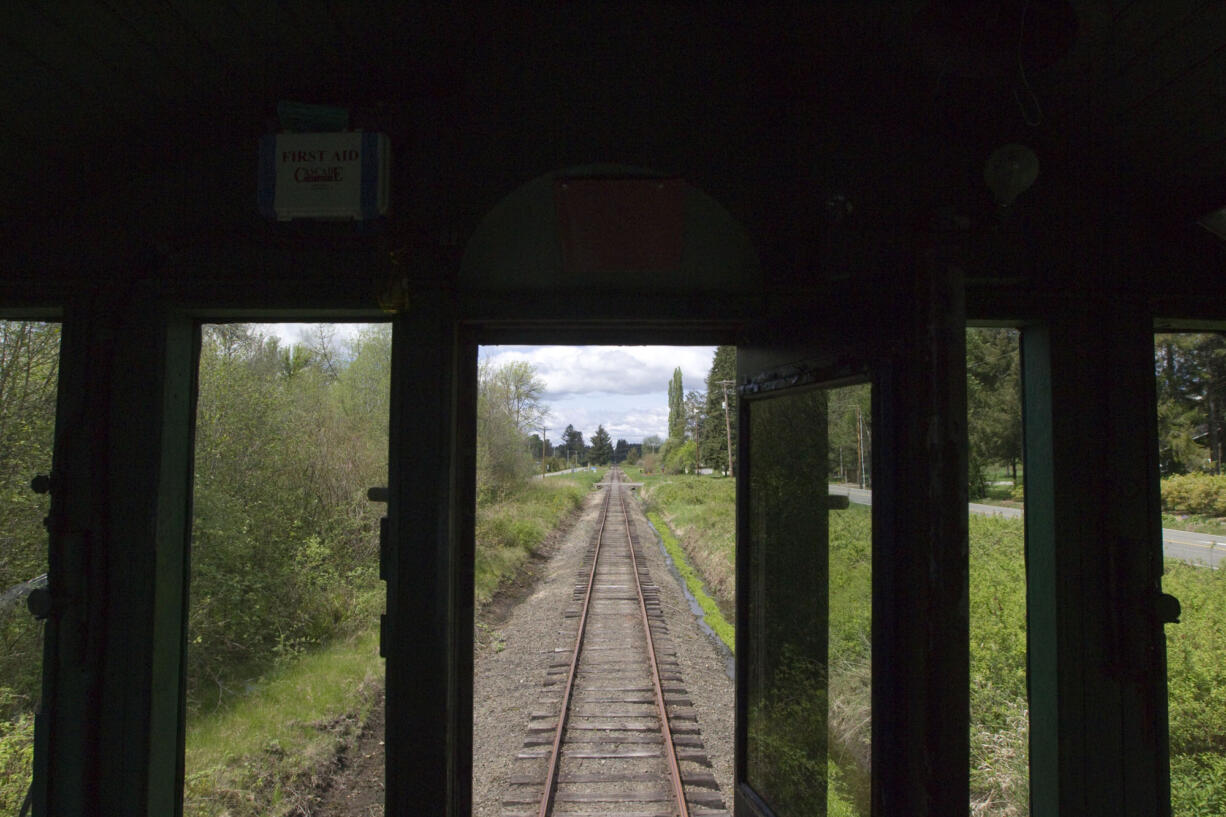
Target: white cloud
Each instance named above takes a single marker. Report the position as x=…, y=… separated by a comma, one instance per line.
x=291, y=333
x=586, y=370
x=623, y=388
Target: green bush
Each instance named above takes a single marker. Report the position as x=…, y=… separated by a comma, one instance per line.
x=1203, y=494
x=16, y=758
x=1196, y=681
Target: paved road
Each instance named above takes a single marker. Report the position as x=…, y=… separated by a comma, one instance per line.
x=1196, y=548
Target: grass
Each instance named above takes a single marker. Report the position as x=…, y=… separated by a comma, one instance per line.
x=711, y=613
x=701, y=512
x=1006, y=496
x=1196, y=523
x=1196, y=679
x=268, y=752
x=269, y=749
x=509, y=530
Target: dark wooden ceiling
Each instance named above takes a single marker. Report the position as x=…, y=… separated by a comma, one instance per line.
x=101, y=97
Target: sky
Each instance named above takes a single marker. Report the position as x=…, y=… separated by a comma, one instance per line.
x=623, y=388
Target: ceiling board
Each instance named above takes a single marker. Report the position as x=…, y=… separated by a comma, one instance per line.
x=1182, y=51
x=1187, y=115
x=35, y=166
x=116, y=45
x=1140, y=26
x=31, y=38
x=219, y=29
x=166, y=34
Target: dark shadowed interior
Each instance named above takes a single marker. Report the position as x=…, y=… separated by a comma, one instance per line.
x=839, y=189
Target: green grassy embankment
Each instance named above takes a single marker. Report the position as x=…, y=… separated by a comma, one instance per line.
x=701, y=512
x=268, y=751
x=509, y=530
x=711, y=613
x=1196, y=679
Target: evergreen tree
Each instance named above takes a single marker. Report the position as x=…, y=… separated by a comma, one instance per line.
x=993, y=403
x=602, y=447
x=713, y=436
x=573, y=440
x=1191, y=380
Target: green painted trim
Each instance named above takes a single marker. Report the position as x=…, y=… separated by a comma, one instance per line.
x=1041, y=580
x=710, y=610
x=173, y=534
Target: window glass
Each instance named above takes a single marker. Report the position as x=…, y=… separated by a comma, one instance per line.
x=809, y=678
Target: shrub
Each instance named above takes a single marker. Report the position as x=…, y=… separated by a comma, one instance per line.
x=1195, y=493
x=16, y=758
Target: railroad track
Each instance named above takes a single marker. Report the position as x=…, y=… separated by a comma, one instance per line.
x=615, y=732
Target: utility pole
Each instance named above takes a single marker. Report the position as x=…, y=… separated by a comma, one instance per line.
x=544, y=431
x=860, y=444
x=728, y=425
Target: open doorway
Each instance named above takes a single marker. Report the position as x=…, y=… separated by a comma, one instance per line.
x=557, y=427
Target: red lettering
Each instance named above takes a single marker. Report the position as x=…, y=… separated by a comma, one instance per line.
x=311, y=175
x=293, y=156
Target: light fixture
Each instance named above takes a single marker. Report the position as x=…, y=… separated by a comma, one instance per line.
x=1010, y=171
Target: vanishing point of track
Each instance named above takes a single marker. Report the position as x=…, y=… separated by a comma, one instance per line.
x=615, y=732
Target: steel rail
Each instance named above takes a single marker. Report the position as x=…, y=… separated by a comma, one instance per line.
x=671, y=751
x=551, y=775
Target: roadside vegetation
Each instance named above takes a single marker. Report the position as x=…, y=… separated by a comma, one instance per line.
x=29, y=368
x=285, y=594
x=998, y=638
x=283, y=645
x=1190, y=376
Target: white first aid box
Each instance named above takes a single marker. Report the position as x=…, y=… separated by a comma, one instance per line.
x=324, y=175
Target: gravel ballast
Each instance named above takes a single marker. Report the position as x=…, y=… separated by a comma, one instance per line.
x=512, y=657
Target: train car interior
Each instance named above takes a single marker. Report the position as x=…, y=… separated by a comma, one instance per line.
x=839, y=189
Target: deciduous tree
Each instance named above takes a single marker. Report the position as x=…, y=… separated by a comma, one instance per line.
x=676, y=409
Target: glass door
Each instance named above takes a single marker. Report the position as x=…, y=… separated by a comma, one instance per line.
x=805, y=610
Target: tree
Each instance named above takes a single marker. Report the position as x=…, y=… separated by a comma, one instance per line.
x=294, y=359
x=29, y=370
x=993, y=403
x=695, y=404
x=719, y=419
x=516, y=390
x=652, y=444
x=573, y=438
x=322, y=348
x=621, y=450
x=680, y=460
x=676, y=409
x=1191, y=381
x=503, y=458
x=602, y=447
x=850, y=433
